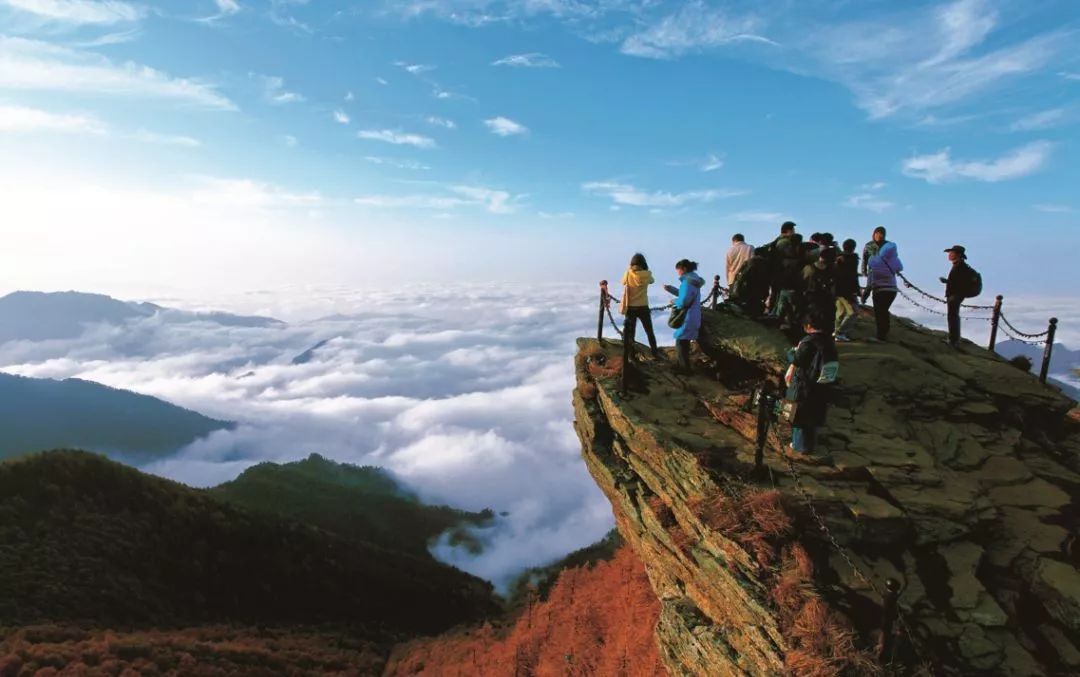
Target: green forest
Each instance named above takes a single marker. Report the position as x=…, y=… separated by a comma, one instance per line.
x=86, y=540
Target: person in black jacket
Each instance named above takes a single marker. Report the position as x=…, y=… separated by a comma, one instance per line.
x=813, y=370
x=847, y=290
x=957, y=288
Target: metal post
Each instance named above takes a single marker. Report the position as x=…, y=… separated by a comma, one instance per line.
x=715, y=290
x=994, y=320
x=763, y=404
x=1048, y=350
x=888, y=619
x=603, y=303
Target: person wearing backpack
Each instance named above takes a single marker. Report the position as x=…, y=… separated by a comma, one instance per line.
x=819, y=293
x=847, y=290
x=814, y=369
x=963, y=282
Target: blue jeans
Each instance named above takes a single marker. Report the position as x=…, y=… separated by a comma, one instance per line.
x=804, y=439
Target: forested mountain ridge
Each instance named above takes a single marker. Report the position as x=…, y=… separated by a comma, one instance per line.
x=87, y=540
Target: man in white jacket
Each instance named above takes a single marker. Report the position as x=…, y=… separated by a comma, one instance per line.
x=737, y=256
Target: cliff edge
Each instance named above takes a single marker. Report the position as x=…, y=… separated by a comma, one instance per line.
x=955, y=475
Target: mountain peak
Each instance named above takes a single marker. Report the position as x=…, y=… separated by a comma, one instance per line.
x=955, y=475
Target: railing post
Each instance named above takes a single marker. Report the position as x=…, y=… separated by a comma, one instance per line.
x=762, y=431
x=715, y=290
x=1048, y=350
x=888, y=619
x=603, y=303
x=994, y=320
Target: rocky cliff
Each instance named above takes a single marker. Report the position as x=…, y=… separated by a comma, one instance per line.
x=955, y=475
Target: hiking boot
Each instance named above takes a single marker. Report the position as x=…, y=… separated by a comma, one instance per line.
x=842, y=338
x=656, y=353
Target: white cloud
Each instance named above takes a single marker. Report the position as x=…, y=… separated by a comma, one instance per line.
x=876, y=185
x=914, y=59
x=941, y=168
x=531, y=60
x=249, y=194
x=349, y=96
x=1041, y=120
x=166, y=139
x=441, y=122
x=1070, y=76
x=712, y=163
x=626, y=194
x=21, y=120
x=274, y=90
x=694, y=27
x=491, y=200
x=1053, y=209
x=758, y=217
x=227, y=7
x=414, y=68
x=501, y=126
x=40, y=66
x=382, y=81
x=396, y=162
x=341, y=117
x=80, y=11
x=397, y=138
x=289, y=140
x=869, y=201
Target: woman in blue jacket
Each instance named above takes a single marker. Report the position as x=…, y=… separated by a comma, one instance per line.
x=883, y=268
x=688, y=297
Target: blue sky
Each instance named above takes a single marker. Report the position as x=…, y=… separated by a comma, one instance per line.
x=243, y=144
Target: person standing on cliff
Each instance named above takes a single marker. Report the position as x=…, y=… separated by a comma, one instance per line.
x=870, y=250
x=847, y=290
x=963, y=282
x=687, y=308
x=635, y=301
x=814, y=368
x=737, y=257
x=788, y=260
x=883, y=269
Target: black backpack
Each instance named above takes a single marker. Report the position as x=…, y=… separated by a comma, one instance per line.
x=974, y=283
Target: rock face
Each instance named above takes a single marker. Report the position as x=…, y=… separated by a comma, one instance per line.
x=954, y=474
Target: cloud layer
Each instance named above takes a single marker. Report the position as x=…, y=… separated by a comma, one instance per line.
x=463, y=392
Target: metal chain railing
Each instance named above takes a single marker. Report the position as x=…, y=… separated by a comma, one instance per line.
x=892, y=589
x=1020, y=333
x=932, y=297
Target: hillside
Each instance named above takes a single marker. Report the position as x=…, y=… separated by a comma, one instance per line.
x=41, y=316
x=597, y=620
x=84, y=539
x=357, y=503
x=954, y=473
x=38, y=414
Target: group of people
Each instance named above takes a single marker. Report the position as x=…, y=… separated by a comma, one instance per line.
x=813, y=286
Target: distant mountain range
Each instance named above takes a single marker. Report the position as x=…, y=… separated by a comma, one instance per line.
x=40, y=316
x=88, y=540
x=37, y=414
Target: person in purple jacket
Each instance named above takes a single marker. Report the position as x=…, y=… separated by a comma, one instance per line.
x=883, y=268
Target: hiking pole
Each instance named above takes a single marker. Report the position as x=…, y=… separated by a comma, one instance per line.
x=1048, y=350
x=600, y=320
x=994, y=322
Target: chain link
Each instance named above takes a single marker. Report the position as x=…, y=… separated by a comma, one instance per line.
x=1017, y=331
x=930, y=296
x=614, y=325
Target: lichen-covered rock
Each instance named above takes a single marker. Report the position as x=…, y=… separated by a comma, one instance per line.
x=953, y=473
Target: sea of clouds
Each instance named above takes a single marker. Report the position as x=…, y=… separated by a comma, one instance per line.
x=463, y=392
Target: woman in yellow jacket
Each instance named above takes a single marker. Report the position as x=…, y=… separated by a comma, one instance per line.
x=635, y=301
